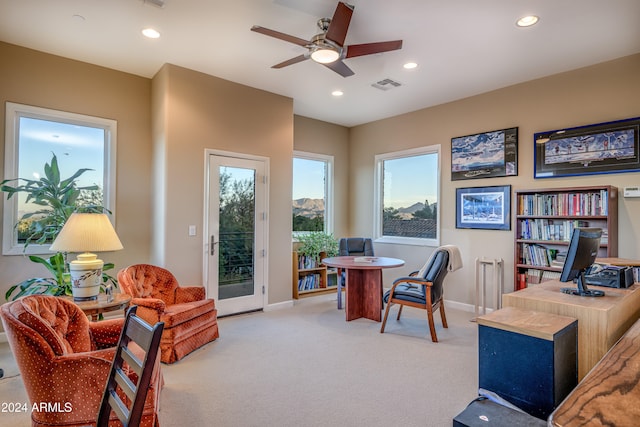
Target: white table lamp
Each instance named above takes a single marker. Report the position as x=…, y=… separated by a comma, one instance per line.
x=86, y=233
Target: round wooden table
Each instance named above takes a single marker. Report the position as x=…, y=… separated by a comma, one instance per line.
x=93, y=309
x=364, y=284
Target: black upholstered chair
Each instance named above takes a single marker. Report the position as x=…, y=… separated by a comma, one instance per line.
x=352, y=246
x=422, y=289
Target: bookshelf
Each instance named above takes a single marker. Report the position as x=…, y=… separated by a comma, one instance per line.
x=308, y=278
x=545, y=219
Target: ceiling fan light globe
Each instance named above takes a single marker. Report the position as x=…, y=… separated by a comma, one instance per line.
x=325, y=56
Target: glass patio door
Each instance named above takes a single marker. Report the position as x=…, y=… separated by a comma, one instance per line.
x=236, y=233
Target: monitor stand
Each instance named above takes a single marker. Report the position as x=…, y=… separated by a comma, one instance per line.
x=582, y=289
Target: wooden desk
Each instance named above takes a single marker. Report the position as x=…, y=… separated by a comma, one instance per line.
x=610, y=394
x=601, y=321
x=363, y=285
x=93, y=309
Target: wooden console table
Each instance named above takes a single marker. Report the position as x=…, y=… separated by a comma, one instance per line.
x=363, y=285
x=610, y=394
x=601, y=321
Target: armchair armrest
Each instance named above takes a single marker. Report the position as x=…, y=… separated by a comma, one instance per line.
x=149, y=309
x=411, y=279
x=189, y=293
x=106, y=333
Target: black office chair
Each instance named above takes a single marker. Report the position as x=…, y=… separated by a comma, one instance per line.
x=354, y=246
x=422, y=289
x=147, y=338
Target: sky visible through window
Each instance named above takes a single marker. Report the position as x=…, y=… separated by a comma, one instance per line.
x=308, y=178
x=75, y=147
x=410, y=180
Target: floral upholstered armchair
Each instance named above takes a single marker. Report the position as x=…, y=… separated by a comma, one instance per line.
x=190, y=320
x=64, y=360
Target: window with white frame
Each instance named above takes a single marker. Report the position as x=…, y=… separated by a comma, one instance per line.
x=407, y=208
x=33, y=136
x=312, y=192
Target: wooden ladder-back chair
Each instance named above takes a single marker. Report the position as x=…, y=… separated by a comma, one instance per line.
x=120, y=390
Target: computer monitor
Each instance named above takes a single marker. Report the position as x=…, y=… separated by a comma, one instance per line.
x=581, y=254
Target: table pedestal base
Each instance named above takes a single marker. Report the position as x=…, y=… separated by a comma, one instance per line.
x=364, y=294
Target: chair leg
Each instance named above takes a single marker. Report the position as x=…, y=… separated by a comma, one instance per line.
x=384, y=320
x=400, y=311
x=432, y=327
x=442, y=315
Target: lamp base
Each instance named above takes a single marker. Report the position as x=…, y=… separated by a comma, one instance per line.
x=81, y=299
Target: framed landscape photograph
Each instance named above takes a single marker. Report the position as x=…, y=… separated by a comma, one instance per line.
x=484, y=207
x=485, y=155
x=611, y=147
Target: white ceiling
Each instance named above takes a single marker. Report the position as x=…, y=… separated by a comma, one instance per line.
x=463, y=47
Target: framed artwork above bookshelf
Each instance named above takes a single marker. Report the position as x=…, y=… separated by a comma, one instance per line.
x=544, y=221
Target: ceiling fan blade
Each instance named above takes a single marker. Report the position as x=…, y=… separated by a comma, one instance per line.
x=371, y=48
x=279, y=35
x=340, y=68
x=292, y=61
x=339, y=25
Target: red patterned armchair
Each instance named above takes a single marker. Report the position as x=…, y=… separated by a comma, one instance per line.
x=190, y=320
x=65, y=360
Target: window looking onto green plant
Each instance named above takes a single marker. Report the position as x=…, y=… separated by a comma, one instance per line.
x=407, y=197
x=43, y=146
x=312, y=192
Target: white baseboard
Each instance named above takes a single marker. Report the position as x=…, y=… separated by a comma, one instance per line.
x=471, y=308
x=279, y=306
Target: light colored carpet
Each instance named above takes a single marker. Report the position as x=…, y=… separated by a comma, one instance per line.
x=307, y=366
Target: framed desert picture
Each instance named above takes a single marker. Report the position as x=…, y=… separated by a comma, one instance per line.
x=611, y=147
x=484, y=207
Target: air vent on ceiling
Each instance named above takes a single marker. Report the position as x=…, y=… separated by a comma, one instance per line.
x=158, y=3
x=386, y=84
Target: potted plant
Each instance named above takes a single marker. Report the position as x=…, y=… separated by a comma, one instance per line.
x=316, y=245
x=57, y=199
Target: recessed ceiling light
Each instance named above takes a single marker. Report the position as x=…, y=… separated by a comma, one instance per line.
x=527, y=21
x=151, y=33
x=337, y=93
x=410, y=65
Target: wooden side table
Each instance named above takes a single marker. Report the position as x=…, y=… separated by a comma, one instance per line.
x=93, y=309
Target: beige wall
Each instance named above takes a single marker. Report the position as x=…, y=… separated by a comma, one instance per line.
x=43, y=80
x=165, y=125
x=314, y=136
x=604, y=92
x=193, y=112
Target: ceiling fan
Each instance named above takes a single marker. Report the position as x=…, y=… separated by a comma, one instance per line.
x=327, y=47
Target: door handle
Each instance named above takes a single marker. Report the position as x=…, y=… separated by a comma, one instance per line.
x=212, y=245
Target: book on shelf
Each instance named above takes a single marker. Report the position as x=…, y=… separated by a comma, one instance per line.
x=309, y=282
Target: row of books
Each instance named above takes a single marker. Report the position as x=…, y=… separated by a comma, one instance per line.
x=567, y=204
x=538, y=255
x=534, y=277
x=306, y=262
x=309, y=282
x=549, y=229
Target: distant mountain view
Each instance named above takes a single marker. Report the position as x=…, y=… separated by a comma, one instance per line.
x=309, y=208
x=407, y=213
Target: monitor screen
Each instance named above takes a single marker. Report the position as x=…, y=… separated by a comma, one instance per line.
x=582, y=253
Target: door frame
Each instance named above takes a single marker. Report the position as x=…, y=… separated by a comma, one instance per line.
x=208, y=152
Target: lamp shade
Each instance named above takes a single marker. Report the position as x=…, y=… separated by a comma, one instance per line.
x=87, y=232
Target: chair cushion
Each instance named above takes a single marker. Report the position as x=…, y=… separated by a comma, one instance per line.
x=407, y=292
x=177, y=314
x=60, y=322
